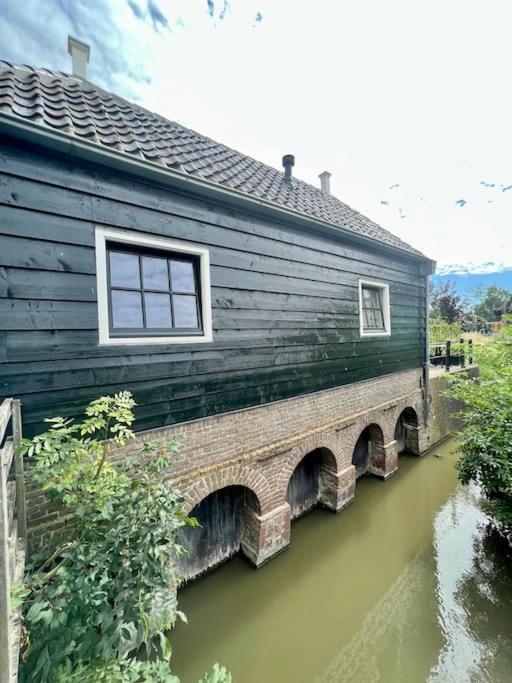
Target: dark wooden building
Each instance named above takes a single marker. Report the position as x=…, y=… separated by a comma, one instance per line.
x=136, y=254
x=279, y=334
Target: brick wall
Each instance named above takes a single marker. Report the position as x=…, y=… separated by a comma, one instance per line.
x=443, y=409
x=260, y=447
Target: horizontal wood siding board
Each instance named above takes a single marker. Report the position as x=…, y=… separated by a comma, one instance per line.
x=70, y=403
x=22, y=347
x=154, y=415
x=31, y=252
x=285, y=302
x=124, y=190
x=55, y=376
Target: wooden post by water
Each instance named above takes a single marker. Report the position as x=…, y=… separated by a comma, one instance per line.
x=5, y=577
x=20, y=478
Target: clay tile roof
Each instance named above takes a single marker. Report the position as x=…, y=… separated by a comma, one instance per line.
x=78, y=108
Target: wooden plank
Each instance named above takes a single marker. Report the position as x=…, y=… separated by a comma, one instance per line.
x=275, y=382
x=102, y=184
x=7, y=455
x=15, y=617
x=5, y=583
x=20, y=475
x=125, y=371
x=21, y=252
x=11, y=502
x=5, y=416
x=20, y=283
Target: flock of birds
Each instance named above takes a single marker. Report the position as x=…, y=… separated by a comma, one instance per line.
x=459, y=202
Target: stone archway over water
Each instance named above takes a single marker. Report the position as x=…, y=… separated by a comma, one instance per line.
x=407, y=432
x=309, y=482
x=225, y=518
x=369, y=449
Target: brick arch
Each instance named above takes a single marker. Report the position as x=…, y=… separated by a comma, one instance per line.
x=405, y=405
x=327, y=441
x=239, y=475
x=406, y=430
x=376, y=442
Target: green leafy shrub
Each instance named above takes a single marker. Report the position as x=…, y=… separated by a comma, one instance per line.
x=441, y=331
x=108, y=591
x=486, y=435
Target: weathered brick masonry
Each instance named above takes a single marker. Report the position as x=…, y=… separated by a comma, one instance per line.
x=260, y=447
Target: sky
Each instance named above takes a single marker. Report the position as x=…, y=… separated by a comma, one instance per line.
x=408, y=104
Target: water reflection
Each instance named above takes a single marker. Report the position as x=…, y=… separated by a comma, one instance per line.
x=474, y=594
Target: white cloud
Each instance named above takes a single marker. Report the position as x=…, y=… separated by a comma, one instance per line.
x=378, y=93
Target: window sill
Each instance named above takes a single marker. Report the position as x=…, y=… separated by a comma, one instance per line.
x=148, y=341
x=375, y=334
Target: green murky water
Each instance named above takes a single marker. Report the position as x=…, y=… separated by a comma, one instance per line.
x=407, y=584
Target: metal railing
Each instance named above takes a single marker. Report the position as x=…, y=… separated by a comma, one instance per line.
x=450, y=353
x=13, y=535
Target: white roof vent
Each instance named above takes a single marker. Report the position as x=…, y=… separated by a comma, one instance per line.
x=79, y=52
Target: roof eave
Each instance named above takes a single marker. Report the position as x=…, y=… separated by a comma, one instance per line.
x=93, y=152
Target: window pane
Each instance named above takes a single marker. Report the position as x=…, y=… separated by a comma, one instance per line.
x=185, y=311
x=375, y=298
x=124, y=270
x=366, y=296
x=154, y=273
x=379, y=320
x=158, y=310
x=371, y=319
x=126, y=309
x=182, y=276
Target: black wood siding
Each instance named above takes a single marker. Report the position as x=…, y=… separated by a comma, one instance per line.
x=285, y=303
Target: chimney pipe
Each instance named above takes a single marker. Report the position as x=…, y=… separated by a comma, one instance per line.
x=79, y=52
x=288, y=163
x=325, y=181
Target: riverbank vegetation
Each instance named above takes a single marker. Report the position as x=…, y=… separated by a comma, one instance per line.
x=100, y=605
x=486, y=435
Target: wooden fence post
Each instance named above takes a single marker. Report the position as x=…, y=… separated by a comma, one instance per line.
x=20, y=476
x=5, y=578
x=470, y=352
x=462, y=358
x=448, y=354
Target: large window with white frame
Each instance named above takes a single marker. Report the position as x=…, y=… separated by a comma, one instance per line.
x=374, y=311
x=151, y=289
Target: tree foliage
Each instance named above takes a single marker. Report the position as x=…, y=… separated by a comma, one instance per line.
x=108, y=592
x=486, y=434
x=493, y=302
x=446, y=303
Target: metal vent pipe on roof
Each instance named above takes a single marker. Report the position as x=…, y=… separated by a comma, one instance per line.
x=325, y=181
x=288, y=163
x=80, y=53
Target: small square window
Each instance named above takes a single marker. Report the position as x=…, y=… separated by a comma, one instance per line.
x=374, y=308
x=151, y=289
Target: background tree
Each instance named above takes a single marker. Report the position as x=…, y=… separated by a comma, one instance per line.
x=446, y=303
x=485, y=440
x=493, y=302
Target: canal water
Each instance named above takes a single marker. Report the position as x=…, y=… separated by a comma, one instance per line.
x=408, y=584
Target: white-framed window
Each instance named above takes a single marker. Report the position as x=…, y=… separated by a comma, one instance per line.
x=374, y=313
x=151, y=290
